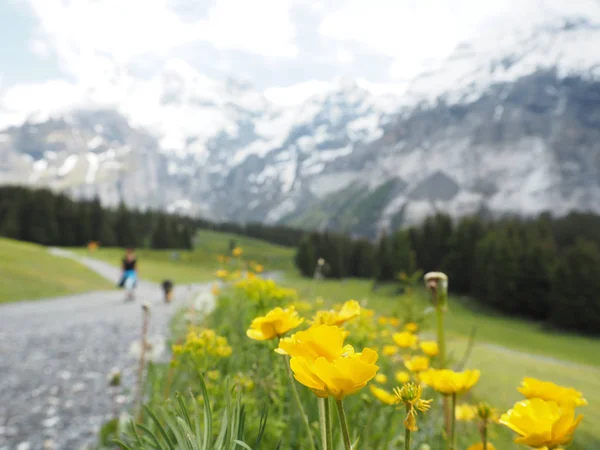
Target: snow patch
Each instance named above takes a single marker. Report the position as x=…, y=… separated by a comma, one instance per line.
x=92, y=170
x=95, y=142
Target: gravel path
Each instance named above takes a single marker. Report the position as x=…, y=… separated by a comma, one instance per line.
x=55, y=356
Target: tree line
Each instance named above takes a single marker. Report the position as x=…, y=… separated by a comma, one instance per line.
x=48, y=218
x=547, y=268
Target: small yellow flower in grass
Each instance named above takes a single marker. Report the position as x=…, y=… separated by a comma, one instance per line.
x=410, y=396
x=465, y=412
x=222, y=273
x=318, y=341
x=479, y=446
x=349, y=310
x=215, y=290
x=411, y=327
x=221, y=258
x=384, y=396
x=448, y=382
x=390, y=350
x=405, y=339
x=385, y=333
x=383, y=320
x=417, y=363
x=394, y=321
x=338, y=378
x=237, y=252
x=402, y=377
x=213, y=375
x=430, y=348
x=259, y=268
x=274, y=324
x=381, y=378
x=533, y=388
x=541, y=423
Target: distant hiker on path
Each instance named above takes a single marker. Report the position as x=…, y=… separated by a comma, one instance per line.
x=167, y=286
x=129, y=274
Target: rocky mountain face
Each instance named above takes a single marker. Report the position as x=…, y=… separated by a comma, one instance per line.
x=505, y=128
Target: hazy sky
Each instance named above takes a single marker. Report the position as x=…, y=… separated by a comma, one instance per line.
x=266, y=42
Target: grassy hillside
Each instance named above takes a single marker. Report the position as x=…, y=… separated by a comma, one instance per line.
x=201, y=263
x=28, y=271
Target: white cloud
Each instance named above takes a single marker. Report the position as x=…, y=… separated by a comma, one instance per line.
x=419, y=35
x=92, y=37
x=345, y=56
x=258, y=26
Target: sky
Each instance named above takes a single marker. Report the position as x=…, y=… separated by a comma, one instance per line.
x=56, y=45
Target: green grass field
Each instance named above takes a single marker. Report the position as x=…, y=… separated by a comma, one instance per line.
x=28, y=271
x=200, y=264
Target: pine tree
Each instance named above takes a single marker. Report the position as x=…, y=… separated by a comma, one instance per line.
x=305, y=258
x=124, y=229
x=384, y=260
x=362, y=259
x=160, y=237
x=576, y=288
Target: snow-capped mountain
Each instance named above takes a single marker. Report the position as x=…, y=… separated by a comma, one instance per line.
x=509, y=123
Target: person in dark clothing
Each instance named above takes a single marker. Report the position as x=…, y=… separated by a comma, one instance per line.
x=167, y=286
x=129, y=273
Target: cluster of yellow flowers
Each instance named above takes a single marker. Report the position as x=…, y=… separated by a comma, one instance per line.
x=319, y=359
x=264, y=291
x=203, y=342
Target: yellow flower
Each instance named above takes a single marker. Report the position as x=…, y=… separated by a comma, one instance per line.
x=349, y=310
x=383, y=320
x=405, y=339
x=541, y=423
x=338, y=378
x=276, y=323
x=318, y=341
x=479, y=446
x=384, y=396
x=390, y=350
x=259, y=268
x=465, y=412
x=237, y=252
x=213, y=374
x=221, y=258
x=430, y=348
x=411, y=327
x=410, y=395
x=222, y=273
x=215, y=289
x=384, y=333
x=533, y=388
x=448, y=382
x=381, y=378
x=394, y=321
x=402, y=377
x=417, y=363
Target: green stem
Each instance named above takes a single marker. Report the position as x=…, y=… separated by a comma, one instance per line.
x=453, y=423
x=328, y=423
x=323, y=421
x=440, y=336
x=484, y=435
x=407, y=433
x=344, y=425
x=300, y=407
x=389, y=428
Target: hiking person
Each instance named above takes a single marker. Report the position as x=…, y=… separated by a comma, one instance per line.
x=129, y=273
x=167, y=286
